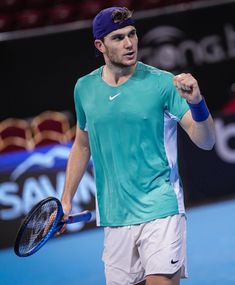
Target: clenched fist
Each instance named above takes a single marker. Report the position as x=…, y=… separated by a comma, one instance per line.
x=188, y=87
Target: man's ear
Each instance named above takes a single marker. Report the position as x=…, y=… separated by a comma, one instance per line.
x=99, y=45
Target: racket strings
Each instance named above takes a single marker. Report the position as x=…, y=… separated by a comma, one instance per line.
x=38, y=226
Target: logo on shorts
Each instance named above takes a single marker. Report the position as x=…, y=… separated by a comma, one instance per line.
x=174, y=261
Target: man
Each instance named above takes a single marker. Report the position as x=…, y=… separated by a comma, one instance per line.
x=127, y=115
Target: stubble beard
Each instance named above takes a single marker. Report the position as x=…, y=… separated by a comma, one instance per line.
x=119, y=64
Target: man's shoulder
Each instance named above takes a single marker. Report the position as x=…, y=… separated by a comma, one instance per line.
x=143, y=67
x=88, y=77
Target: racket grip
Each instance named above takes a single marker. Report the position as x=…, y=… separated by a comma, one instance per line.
x=83, y=216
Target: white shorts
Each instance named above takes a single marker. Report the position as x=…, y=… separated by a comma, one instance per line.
x=133, y=252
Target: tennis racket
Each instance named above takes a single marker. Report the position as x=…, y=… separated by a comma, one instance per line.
x=41, y=223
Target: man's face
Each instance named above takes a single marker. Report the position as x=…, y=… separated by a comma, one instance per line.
x=120, y=47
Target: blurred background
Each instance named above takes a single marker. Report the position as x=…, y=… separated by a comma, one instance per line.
x=45, y=46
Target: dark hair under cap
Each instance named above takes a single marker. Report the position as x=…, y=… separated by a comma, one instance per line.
x=111, y=19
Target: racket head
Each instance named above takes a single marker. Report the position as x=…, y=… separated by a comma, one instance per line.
x=31, y=235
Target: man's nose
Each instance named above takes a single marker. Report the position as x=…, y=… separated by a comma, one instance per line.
x=127, y=42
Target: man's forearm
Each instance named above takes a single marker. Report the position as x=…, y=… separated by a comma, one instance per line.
x=203, y=133
x=76, y=167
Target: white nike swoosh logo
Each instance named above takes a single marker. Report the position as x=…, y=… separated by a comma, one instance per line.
x=113, y=97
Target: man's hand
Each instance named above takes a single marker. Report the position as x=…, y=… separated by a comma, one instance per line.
x=67, y=207
x=188, y=87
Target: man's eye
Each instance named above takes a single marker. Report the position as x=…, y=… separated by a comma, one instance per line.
x=132, y=34
x=118, y=38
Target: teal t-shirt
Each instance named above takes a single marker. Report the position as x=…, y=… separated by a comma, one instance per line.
x=132, y=136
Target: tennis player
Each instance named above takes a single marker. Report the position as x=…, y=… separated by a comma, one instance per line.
x=127, y=115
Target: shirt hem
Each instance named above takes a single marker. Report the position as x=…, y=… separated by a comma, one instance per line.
x=128, y=223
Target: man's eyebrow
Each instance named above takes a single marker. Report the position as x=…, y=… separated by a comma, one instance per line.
x=133, y=30
x=123, y=34
x=117, y=35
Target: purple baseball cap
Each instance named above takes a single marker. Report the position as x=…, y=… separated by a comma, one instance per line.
x=103, y=23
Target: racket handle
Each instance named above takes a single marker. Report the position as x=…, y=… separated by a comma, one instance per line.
x=83, y=216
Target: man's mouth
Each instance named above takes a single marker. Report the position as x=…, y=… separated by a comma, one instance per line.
x=130, y=54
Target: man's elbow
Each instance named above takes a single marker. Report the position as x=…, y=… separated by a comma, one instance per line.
x=208, y=145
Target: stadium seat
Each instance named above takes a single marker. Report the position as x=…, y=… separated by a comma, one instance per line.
x=50, y=127
x=6, y=23
x=89, y=8
x=50, y=121
x=16, y=133
x=121, y=3
x=1, y=143
x=56, y=2
x=28, y=19
x=12, y=144
x=10, y=5
x=37, y=3
x=49, y=137
x=71, y=133
x=150, y=4
x=62, y=13
x=13, y=127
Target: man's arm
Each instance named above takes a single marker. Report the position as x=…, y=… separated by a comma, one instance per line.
x=201, y=133
x=76, y=167
x=200, y=128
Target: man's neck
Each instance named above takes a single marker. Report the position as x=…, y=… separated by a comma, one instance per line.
x=115, y=75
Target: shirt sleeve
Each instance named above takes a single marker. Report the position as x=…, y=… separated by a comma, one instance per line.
x=174, y=103
x=80, y=114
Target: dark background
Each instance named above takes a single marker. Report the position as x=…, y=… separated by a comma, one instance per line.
x=39, y=73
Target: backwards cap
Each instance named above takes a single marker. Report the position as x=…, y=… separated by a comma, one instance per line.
x=109, y=20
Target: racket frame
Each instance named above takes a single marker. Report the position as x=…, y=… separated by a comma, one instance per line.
x=50, y=233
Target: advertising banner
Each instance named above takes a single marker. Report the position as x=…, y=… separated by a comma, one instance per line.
x=200, y=40
x=209, y=175
x=28, y=177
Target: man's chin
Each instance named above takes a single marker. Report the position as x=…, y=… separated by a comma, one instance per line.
x=128, y=63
